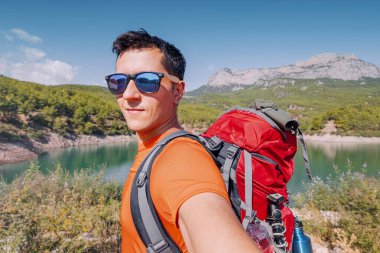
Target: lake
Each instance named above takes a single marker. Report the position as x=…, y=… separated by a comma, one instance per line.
x=327, y=160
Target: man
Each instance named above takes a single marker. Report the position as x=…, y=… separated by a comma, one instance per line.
x=187, y=188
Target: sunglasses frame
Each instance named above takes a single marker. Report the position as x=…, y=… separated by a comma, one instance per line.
x=133, y=77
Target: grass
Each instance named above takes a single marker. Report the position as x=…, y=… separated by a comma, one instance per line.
x=59, y=212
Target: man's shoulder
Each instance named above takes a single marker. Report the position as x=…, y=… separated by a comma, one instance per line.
x=185, y=144
x=186, y=151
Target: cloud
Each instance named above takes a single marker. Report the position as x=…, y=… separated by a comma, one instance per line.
x=211, y=67
x=21, y=35
x=33, y=54
x=7, y=36
x=30, y=64
x=46, y=71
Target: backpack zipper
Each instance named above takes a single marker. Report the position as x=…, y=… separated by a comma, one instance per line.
x=266, y=159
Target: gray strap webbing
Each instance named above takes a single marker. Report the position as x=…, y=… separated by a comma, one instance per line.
x=248, y=188
x=231, y=152
x=233, y=175
x=212, y=144
x=159, y=244
x=304, y=154
x=173, y=136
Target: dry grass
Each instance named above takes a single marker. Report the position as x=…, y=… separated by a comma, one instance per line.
x=59, y=212
x=344, y=242
x=344, y=212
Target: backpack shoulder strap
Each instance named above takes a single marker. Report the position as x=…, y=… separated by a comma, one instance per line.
x=145, y=218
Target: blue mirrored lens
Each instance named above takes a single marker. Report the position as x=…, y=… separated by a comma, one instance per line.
x=117, y=84
x=147, y=82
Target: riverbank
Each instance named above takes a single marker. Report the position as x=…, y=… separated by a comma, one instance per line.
x=341, y=139
x=25, y=150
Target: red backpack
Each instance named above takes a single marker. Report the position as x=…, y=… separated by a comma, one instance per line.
x=254, y=149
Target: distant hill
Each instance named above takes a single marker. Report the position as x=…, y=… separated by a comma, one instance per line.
x=327, y=65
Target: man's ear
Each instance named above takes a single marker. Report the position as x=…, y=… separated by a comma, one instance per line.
x=178, y=90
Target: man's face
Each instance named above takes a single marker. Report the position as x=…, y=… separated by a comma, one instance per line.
x=145, y=112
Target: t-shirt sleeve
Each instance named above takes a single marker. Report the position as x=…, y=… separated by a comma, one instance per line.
x=182, y=170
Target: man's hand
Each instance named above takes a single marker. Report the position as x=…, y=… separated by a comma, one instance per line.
x=208, y=224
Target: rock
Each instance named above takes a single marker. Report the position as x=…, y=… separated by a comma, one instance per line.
x=318, y=245
x=318, y=248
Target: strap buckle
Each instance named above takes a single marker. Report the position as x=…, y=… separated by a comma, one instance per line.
x=231, y=151
x=157, y=247
x=141, y=179
x=215, y=143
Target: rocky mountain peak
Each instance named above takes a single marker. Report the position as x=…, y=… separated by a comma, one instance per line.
x=326, y=65
x=326, y=58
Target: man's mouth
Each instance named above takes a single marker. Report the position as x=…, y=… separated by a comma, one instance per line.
x=134, y=109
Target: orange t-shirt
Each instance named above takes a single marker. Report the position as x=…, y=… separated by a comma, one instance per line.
x=182, y=170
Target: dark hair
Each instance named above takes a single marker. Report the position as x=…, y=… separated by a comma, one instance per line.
x=173, y=60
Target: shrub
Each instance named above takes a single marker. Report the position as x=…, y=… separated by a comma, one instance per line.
x=348, y=207
x=59, y=212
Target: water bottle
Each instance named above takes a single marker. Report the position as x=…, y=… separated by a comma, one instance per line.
x=301, y=242
x=260, y=234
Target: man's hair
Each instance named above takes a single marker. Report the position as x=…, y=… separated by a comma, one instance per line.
x=173, y=61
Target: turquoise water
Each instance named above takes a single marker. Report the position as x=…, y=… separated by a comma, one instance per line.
x=327, y=159
x=331, y=159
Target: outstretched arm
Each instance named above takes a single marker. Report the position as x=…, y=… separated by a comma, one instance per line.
x=208, y=224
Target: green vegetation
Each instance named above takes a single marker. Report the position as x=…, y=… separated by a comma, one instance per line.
x=27, y=110
x=59, y=212
x=353, y=205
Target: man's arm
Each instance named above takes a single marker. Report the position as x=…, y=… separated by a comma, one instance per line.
x=208, y=224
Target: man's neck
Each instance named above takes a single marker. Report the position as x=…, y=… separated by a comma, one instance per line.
x=170, y=125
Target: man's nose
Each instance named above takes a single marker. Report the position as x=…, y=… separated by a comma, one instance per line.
x=131, y=92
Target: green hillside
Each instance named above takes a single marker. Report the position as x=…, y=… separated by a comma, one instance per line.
x=29, y=110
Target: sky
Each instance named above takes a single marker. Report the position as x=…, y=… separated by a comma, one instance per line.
x=59, y=42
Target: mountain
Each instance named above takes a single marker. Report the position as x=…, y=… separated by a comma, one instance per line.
x=326, y=65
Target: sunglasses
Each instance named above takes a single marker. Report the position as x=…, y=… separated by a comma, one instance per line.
x=146, y=82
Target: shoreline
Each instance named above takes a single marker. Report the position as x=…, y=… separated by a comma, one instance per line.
x=20, y=151
x=329, y=138
x=12, y=152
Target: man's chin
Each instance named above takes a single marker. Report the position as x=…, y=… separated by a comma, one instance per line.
x=135, y=128
x=138, y=128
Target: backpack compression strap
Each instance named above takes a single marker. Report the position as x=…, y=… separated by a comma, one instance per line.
x=145, y=218
x=304, y=154
x=249, y=215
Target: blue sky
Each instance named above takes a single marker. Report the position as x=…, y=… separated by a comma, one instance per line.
x=70, y=41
